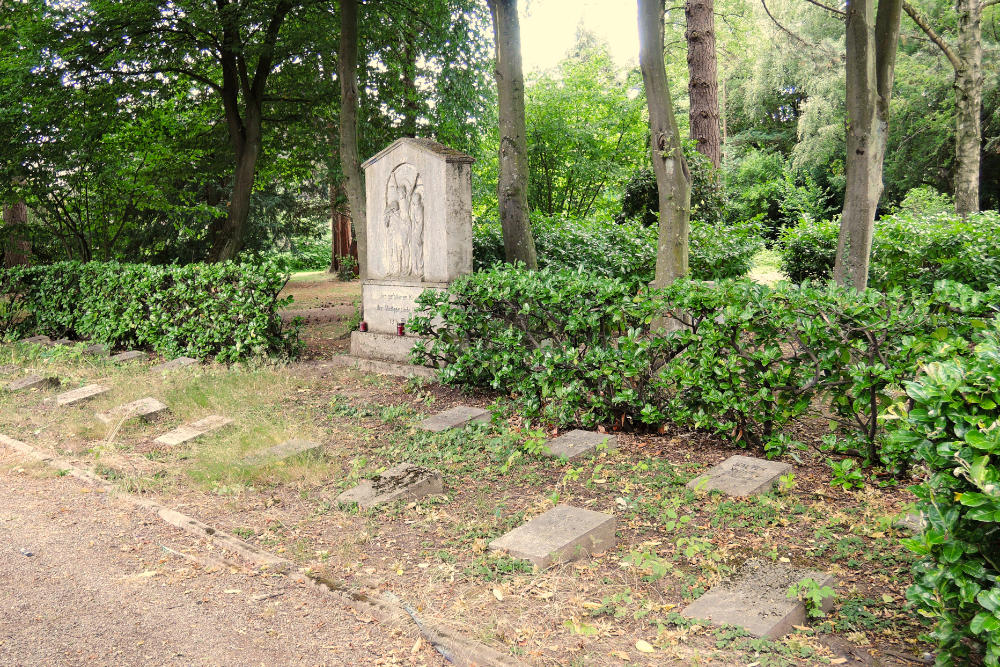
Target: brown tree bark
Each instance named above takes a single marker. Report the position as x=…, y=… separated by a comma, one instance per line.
x=15, y=250
x=347, y=72
x=872, y=39
x=967, y=61
x=512, y=187
x=244, y=126
x=411, y=107
x=703, y=80
x=673, y=180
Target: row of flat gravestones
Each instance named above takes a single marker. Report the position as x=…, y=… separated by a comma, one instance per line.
x=755, y=598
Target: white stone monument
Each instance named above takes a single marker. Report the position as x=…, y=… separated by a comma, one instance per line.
x=419, y=199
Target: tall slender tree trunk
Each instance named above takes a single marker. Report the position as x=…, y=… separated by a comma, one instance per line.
x=968, y=101
x=967, y=61
x=703, y=80
x=673, y=180
x=15, y=249
x=871, y=58
x=512, y=187
x=411, y=106
x=229, y=236
x=347, y=72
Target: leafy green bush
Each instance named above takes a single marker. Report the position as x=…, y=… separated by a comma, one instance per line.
x=908, y=250
x=745, y=359
x=306, y=254
x=954, y=429
x=625, y=251
x=227, y=310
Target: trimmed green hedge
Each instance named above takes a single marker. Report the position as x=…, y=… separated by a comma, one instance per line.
x=909, y=250
x=573, y=348
x=227, y=311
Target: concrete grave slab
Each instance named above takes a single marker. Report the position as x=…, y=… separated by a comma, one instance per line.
x=128, y=356
x=914, y=522
x=577, y=443
x=402, y=482
x=285, y=450
x=174, y=364
x=97, y=350
x=741, y=476
x=33, y=382
x=79, y=395
x=37, y=340
x=182, y=434
x=145, y=408
x=8, y=369
x=457, y=417
x=564, y=533
x=756, y=599
x=62, y=341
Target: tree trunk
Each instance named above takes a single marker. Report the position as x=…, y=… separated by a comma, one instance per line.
x=967, y=61
x=871, y=59
x=229, y=237
x=347, y=72
x=512, y=187
x=968, y=100
x=673, y=180
x=411, y=106
x=703, y=81
x=16, y=250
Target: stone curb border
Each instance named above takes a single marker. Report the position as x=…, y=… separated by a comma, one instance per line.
x=454, y=647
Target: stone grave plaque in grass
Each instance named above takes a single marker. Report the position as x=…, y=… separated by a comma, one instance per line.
x=8, y=369
x=913, y=522
x=564, y=533
x=576, y=444
x=174, y=364
x=285, y=450
x=741, y=476
x=182, y=434
x=79, y=395
x=97, y=350
x=33, y=382
x=62, y=342
x=756, y=599
x=456, y=417
x=145, y=408
x=402, y=482
x=128, y=356
x=37, y=340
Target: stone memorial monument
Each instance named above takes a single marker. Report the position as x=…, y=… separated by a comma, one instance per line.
x=419, y=199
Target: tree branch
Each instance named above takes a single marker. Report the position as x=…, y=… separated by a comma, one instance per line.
x=783, y=28
x=922, y=23
x=832, y=10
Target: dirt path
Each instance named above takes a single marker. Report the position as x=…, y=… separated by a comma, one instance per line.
x=100, y=587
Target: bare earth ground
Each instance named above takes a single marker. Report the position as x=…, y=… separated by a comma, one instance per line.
x=103, y=586
x=673, y=544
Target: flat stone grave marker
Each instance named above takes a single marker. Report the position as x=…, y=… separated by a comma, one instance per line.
x=456, y=417
x=128, y=356
x=81, y=394
x=756, y=599
x=33, y=382
x=285, y=450
x=402, y=482
x=564, y=533
x=62, y=341
x=741, y=476
x=182, y=434
x=38, y=340
x=174, y=364
x=577, y=443
x=8, y=369
x=913, y=522
x=97, y=349
x=146, y=408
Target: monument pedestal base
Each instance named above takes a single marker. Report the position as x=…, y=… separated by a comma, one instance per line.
x=387, y=347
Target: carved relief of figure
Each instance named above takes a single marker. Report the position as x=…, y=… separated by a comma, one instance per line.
x=403, y=252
